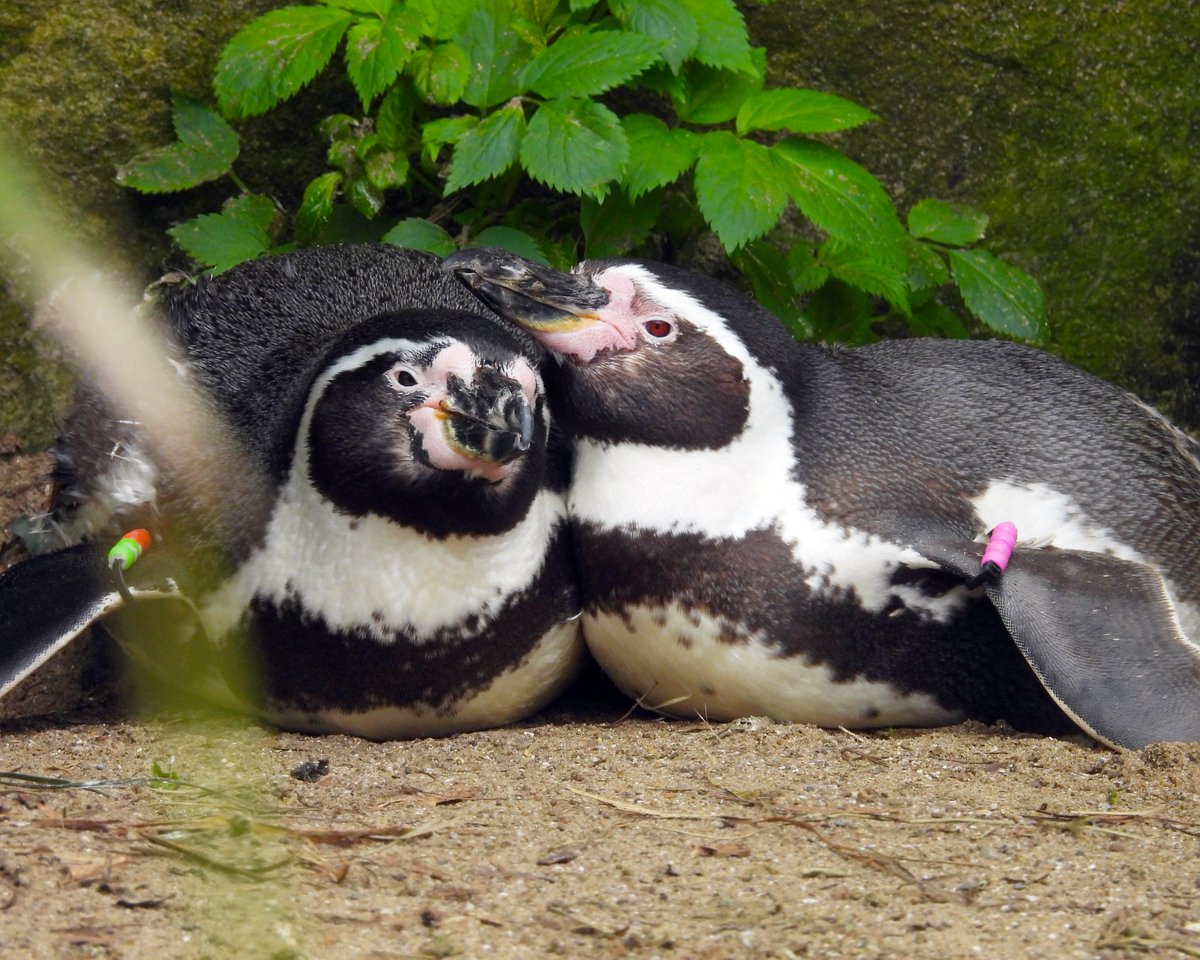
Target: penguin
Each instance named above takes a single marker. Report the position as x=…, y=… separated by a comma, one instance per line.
x=769, y=527
x=387, y=551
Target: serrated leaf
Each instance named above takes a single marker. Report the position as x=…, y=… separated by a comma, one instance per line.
x=934, y=320
x=1004, y=297
x=617, y=225
x=856, y=268
x=223, y=240
x=804, y=271
x=316, y=206
x=276, y=55
x=713, y=95
x=738, y=187
x=669, y=21
x=723, y=41
x=205, y=150
x=441, y=74
x=495, y=53
x=944, y=222
x=537, y=11
x=378, y=7
x=442, y=19
x=576, y=146
x=843, y=199
x=364, y=196
x=438, y=133
x=393, y=119
x=376, y=52
x=419, y=234
x=658, y=155
x=589, y=64
x=487, y=150
x=515, y=241
x=926, y=270
x=764, y=267
x=840, y=313
x=800, y=111
x=386, y=169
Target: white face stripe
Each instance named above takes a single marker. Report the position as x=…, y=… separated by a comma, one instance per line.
x=713, y=492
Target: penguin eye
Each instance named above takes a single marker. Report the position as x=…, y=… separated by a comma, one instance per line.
x=404, y=377
x=657, y=328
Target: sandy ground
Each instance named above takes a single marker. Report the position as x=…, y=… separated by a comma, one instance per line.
x=586, y=832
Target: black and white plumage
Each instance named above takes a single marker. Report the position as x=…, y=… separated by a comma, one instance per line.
x=397, y=563
x=769, y=527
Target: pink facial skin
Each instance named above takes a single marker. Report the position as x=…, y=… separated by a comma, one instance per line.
x=429, y=419
x=615, y=327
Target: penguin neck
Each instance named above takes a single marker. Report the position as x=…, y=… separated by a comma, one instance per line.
x=720, y=492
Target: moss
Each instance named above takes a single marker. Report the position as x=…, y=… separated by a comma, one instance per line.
x=1072, y=125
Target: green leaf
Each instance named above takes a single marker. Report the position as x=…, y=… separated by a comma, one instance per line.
x=223, y=240
x=205, y=150
x=539, y=12
x=668, y=21
x=364, y=196
x=576, y=146
x=723, y=41
x=856, y=268
x=386, y=169
x=496, y=55
x=944, y=222
x=843, y=199
x=418, y=234
x=926, y=270
x=378, y=7
x=765, y=268
x=804, y=270
x=317, y=205
x=1004, y=297
x=800, y=111
x=658, y=155
x=442, y=19
x=588, y=64
x=516, y=241
x=273, y=57
x=934, y=320
x=738, y=186
x=617, y=225
x=376, y=52
x=488, y=150
x=441, y=74
x=393, y=119
x=840, y=313
x=713, y=95
x=438, y=133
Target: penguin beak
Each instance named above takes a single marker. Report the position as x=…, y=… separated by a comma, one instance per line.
x=537, y=297
x=489, y=419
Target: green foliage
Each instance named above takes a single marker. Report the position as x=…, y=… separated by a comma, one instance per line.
x=498, y=120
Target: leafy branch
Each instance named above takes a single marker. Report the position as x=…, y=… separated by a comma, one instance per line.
x=502, y=122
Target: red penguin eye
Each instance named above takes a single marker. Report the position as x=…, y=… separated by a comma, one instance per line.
x=657, y=328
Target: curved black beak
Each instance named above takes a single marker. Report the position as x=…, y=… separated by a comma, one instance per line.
x=537, y=297
x=489, y=418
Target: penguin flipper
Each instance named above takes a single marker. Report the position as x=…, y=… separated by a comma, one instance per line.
x=49, y=600
x=1101, y=634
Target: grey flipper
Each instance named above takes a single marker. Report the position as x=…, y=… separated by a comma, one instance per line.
x=1102, y=636
x=47, y=601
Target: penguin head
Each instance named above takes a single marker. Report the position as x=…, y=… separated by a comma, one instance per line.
x=433, y=418
x=648, y=353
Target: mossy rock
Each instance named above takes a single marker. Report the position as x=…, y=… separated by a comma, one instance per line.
x=1072, y=125
x=85, y=86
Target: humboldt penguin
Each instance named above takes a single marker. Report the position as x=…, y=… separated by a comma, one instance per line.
x=764, y=526
x=398, y=565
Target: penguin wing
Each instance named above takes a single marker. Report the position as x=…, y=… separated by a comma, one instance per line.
x=1102, y=635
x=49, y=600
